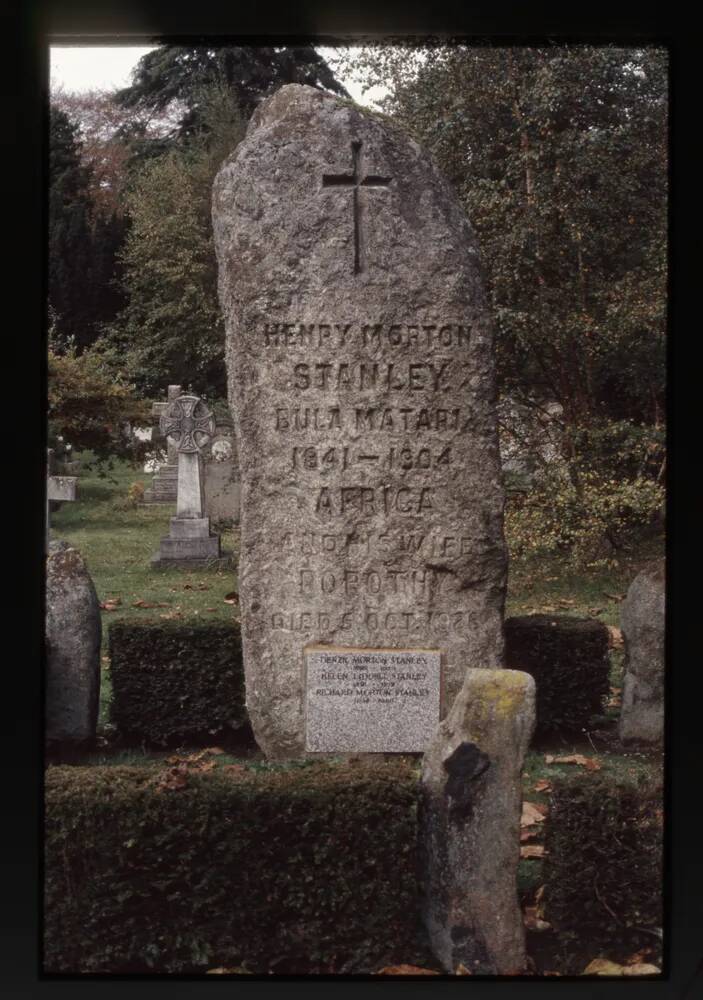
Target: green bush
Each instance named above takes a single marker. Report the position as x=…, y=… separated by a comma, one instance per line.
x=175, y=682
x=289, y=868
x=585, y=525
x=568, y=658
x=603, y=867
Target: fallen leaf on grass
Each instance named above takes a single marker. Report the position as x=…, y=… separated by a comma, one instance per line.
x=543, y=786
x=532, y=851
x=575, y=758
x=595, y=611
x=232, y=597
x=615, y=698
x=172, y=614
x=533, y=921
x=147, y=604
x=175, y=778
x=532, y=813
x=405, y=970
x=639, y=956
x=615, y=639
x=567, y=602
x=614, y=597
x=203, y=586
x=604, y=967
x=110, y=605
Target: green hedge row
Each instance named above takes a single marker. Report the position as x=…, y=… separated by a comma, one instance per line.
x=604, y=864
x=176, y=682
x=304, y=868
x=568, y=658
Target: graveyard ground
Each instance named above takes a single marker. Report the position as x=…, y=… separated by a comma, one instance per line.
x=117, y=539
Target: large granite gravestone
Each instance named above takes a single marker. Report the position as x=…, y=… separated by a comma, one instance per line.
x=73, y=631
x=360, y=364
x=642, y=620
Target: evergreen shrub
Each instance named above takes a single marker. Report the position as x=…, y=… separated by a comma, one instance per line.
x=568, y=658
x=304, y=867
x=604, y=866
x=176, y=682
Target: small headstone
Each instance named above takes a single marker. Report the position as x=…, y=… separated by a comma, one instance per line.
x=360, y=700
x=164, y=486
x=470, y=825
x=58, y=488
x=188, y=425
x=642, y=621
x=360, y=365
x=221, y=487
x=73, y=631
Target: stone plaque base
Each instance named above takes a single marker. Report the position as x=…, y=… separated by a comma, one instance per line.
x=190, y=550
x=371, y=700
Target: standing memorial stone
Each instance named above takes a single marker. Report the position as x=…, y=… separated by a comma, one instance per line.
x=360, y=365
x=189, y=425
x=73, y=630
x=642, y=620
x=164, y=485
x=57, y=488
x=470, y=824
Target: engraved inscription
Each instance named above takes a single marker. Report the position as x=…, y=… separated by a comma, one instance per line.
x=355, y=180
x=371, y=699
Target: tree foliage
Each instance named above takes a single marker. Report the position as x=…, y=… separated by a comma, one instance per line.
x=175, y=79
x=560, y=158
x=171, y=330
x=89, y=408
x=83, y=277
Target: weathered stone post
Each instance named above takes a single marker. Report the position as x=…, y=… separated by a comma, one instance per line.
x=470, y=824
x=72, y=632
x=642, y=620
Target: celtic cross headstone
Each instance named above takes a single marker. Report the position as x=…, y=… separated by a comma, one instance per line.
x=188, y=425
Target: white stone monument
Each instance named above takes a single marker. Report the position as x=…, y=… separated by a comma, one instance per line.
x=57, y=488
x=188, y=424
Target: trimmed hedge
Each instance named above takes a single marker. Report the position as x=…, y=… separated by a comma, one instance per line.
x=568, y=658
x=291, y=868
x=604, y=864
x=176, y=682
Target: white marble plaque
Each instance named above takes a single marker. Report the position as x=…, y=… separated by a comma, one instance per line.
x=371, y=700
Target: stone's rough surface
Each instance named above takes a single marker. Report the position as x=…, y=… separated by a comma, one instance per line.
x=642, y=620
x=366, y=700
x=73, y=631
x=470, y=824
x=360, y=365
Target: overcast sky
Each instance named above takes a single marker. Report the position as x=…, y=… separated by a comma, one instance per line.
x=107, y=67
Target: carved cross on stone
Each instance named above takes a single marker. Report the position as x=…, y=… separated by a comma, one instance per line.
x=189, y=425
x=57, y=488
x=355, y=181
